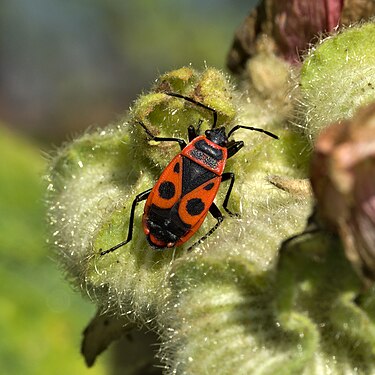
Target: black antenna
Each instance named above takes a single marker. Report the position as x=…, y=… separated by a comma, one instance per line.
x=251, y=128
x=196, y=103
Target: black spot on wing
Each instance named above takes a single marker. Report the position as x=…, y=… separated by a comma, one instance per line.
x=167, y=190
x=209, y=186
x=176, y=168
x=194, y=206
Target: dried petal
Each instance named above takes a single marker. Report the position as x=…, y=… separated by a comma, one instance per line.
x=297, y=22
x=343, y=180
x=288, y=27
x=257, y=23
x=355, y=10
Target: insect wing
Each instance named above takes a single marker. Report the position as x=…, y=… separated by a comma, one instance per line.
x=194, y=206
x=167, y=190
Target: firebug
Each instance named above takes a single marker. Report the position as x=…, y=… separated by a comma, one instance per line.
x=184, y=194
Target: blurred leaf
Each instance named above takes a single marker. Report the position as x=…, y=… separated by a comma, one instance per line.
x=40, y=316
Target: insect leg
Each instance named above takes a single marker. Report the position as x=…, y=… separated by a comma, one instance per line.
x=181, y=142
x=140, y=197
x=192, y=132
x=215, y=212
x=225, y=177
x=313, y=226
x=196, y=103
x=252, y=128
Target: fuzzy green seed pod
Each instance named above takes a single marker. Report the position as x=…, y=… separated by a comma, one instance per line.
x=337, y=77
x=226, y=279
x=317, y=308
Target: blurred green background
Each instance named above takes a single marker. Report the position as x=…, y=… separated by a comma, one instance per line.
x=66, y=65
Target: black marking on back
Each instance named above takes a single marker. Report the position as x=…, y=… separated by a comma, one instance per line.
x=215, y=153
x=167, y=190
x=176, y=168
x=194, y=206
x=193, y=175
x=166, y=224
x=209, y=186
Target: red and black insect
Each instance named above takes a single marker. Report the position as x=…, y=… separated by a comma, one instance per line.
x=182, y=197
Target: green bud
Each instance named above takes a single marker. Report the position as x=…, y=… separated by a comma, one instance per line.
x=337, y=77
x=93, y=182
x=317, y=308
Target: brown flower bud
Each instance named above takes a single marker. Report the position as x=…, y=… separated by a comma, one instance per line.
x=355, y=10
x=288, y=27
x=343, y=181
x=297, y=22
